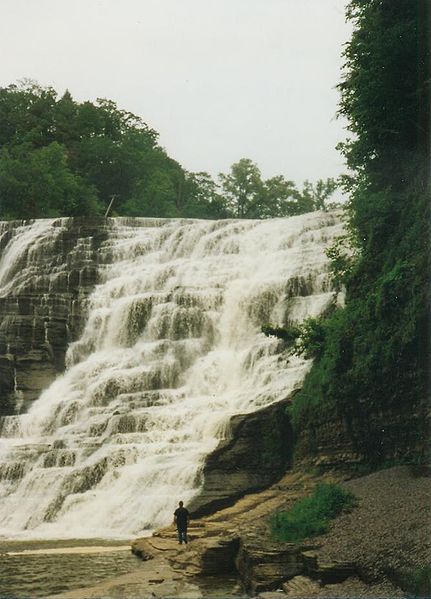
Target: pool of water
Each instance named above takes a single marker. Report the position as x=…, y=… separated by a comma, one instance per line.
x=42, y=568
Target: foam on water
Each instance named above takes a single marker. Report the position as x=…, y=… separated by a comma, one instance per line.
x=171, y=349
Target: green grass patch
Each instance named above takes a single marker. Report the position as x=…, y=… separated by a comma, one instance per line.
x=418, y=581
x=309, y=517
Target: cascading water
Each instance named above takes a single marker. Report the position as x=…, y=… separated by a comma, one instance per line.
x=172, y=348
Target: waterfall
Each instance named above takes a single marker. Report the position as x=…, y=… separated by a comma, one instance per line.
x=171, y=349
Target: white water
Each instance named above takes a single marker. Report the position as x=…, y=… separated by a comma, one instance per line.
x=171, y=349
x=25, y=241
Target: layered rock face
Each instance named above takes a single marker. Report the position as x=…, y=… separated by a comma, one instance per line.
x=47, y=270
x=367, y=434
x=258, y=451
x=166, y=359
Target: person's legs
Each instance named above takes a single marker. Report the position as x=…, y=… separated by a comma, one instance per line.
x=182, y=535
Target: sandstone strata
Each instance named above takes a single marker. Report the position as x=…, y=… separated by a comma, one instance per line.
x=256, y=454
x=371, y=433
x=46, y=311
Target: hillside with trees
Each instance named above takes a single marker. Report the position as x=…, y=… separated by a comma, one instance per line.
x=60, y=157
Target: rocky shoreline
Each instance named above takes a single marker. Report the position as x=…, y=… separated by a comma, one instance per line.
x=367, y=552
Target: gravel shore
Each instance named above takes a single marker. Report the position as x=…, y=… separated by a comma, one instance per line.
x=389, y=532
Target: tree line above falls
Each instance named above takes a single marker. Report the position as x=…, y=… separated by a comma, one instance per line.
x=60, y=157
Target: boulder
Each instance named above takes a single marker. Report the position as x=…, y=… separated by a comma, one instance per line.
x=264, y=566
x=218, y=555
x=301, y=586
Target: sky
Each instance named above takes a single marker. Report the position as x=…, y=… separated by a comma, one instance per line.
x=219, y=80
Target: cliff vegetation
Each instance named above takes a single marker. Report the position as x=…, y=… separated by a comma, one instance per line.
x=369, y=379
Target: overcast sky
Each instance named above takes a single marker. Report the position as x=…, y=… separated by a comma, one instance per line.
x=218, y=79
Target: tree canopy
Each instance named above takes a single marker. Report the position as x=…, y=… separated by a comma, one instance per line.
x=60, y=157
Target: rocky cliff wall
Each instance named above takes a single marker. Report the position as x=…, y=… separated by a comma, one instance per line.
x=257, y=453
x=367, y=434
x=45, y=308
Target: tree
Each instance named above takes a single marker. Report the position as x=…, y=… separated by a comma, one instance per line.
x=372, y=372
x=315, y=196
x=101, y=150
x=202, y=197
x=242, y=189
x=247, y=195
x=280, y=198
x=27, y=114
x=40, y=184
x=97, y=149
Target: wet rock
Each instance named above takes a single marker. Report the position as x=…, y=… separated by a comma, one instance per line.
x=264, y=567
x=305, y=571
x=373, y=433
x=327, y=572
x=257, y=453
x=218, y=555
x=46, y=309
x=301, y=586
x=335, y=572
x=208, y=556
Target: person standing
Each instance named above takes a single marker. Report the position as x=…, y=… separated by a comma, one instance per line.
x=181, y=519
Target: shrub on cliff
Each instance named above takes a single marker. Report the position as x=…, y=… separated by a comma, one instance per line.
x=288, y=334
x=309, y=517
x=306, y=338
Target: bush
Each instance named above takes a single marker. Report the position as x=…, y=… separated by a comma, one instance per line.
x=311, y=338
x=308, y=337
x=287, y=334
x=310, y=516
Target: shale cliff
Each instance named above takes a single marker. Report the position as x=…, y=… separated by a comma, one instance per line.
x=257, y=453
x=45, y=309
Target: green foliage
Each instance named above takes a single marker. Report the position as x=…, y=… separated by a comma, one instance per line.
x=418, y=581
x=343, y=258
x=311, y=337
x=203, y=198
x=323, y=385
x=371, y=371
x=316, y=196
x=280, y=198
x=383, y=88
x=288, y=334
x=310, y=517
x=39, y=183
x=242, y=188
x=62, y=157
x=247, y=195
x=307, y=337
